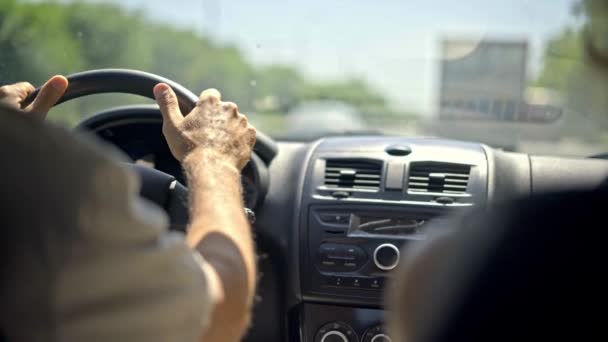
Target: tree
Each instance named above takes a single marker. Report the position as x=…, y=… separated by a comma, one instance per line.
x=568, y=69
x=39, y=39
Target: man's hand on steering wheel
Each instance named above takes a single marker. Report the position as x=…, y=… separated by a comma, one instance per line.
x=213, y=127
x=14, y=95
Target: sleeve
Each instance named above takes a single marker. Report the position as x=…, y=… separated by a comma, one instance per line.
x=84, y=258
x=126, y=278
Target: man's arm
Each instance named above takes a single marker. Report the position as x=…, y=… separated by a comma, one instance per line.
x=214, y=143
x=220, y=232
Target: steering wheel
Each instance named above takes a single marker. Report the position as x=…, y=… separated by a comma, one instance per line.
x=158, y=187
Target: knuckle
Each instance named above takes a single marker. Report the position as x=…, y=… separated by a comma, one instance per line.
x=169, y=100
x=230, y=106
x=23, y=89
x=27, y=86
x=167, y=97
x=4, y=90
x=211, y=95
x=251, y=136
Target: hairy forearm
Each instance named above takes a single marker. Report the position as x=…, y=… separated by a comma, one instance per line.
x=219, y=230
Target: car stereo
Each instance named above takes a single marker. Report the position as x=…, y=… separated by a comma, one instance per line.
x=350, y=251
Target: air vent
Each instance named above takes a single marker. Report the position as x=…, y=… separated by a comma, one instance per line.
x=352, y=174
x=443, y=178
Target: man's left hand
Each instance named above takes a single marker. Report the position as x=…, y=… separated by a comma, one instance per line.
x=13, y=95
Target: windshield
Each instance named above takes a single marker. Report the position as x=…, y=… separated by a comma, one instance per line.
x=513, y=74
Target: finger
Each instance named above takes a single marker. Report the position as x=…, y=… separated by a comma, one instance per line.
x=7, y=96
x=231, y=107
x=251, y=134
x=242, y=120
x=22, y=90
x=167, y=101
x=49, y=94
x=13, y=95
x=18, y=91
x=211, y=95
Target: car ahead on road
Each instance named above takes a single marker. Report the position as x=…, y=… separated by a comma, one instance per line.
x=311, y=120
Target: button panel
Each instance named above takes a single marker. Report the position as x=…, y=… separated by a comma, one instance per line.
x=338, y=261
x=334, y=257
x=363, y=283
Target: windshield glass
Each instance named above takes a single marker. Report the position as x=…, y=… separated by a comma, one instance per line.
x=513, y=74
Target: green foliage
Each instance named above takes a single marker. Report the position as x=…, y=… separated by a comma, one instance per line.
x=562, y=56
x=582, y=82
x=39, y=39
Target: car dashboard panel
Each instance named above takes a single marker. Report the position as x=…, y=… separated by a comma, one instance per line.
x=335, y=216
x=365, y=201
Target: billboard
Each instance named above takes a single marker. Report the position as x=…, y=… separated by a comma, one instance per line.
x=483, y=80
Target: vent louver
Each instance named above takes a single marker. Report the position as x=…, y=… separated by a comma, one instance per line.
x=352, y=174
x=441, y=178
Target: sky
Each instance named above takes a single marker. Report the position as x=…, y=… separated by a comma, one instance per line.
x=393, y=44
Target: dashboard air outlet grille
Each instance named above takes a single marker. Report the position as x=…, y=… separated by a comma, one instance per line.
x=353, y=174
x=444, y=178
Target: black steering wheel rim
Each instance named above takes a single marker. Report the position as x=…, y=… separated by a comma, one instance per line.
x=156, y=186
x=135, y=82
x=126, y=81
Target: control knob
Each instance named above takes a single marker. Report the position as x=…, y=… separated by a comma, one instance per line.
x=376, y=334
x=336, y=332
x=386, y=256
x=334, y=336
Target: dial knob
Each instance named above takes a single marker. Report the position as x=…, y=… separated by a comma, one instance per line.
x=381, y=338
x=376, y=334
x=336, y=332
x=334, y=336
x=386, y=256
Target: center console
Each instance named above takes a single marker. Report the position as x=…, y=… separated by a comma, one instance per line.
x=365, y=201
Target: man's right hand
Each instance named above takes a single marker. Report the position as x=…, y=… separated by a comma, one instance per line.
x=215, y=128
x=214, y=142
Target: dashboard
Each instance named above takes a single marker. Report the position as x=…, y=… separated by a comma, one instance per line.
x=335, y=215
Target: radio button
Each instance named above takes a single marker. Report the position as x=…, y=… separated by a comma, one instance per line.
x=351, y=266
x=328, y=263
x=357, y=282
x=355, y=252
x=335, y=281
x=375, y=283
x=330, y=248
x=334, y=251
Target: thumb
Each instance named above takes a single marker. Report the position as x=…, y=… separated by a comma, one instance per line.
x=49, y=94
x=167, y=101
